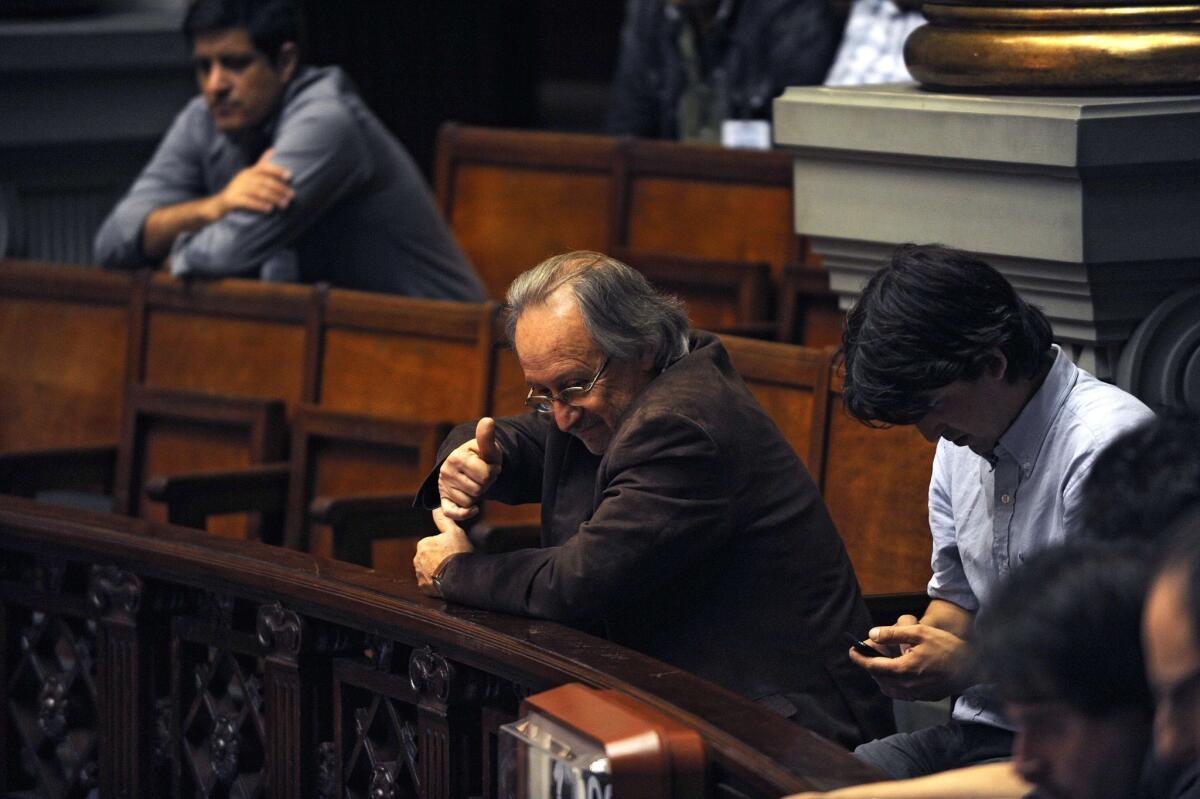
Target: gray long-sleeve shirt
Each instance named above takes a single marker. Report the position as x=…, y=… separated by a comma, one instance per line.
x=362, y=216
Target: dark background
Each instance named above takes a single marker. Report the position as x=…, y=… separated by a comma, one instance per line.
x=505, y=63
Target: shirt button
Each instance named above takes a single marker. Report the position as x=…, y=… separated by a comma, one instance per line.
x=1006, y=499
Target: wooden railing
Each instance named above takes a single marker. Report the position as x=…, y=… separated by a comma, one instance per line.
x=145, y=660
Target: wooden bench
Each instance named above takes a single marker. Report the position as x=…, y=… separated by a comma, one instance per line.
x=515, y=198
x=366, y=359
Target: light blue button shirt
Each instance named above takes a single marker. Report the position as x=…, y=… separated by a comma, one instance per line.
x=988, y=517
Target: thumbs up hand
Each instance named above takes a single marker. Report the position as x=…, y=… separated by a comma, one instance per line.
x=469, y=472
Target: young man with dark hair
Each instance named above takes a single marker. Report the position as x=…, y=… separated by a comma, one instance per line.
x=280, y=171
x=1061, y=641
x=939, y=339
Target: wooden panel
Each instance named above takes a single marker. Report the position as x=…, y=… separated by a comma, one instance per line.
x=711, y=220
x=718, y=294
x=414, y=360
x=405, y=377
x=509, y=219
x=807, y=309
x=225, y=355
x=63, y=372
x=345, y=467
x=514, y=198
x=175, y=446
x=876, y=484
x=786, y=380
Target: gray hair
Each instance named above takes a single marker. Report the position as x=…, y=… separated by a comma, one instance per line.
x=621, y=310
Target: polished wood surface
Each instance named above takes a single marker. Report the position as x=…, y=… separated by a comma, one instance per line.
x=876, y=484
x=191, y=665
x=63, y=335
x=515, y=198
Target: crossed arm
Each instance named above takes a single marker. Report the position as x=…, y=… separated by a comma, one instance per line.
x=262, y=187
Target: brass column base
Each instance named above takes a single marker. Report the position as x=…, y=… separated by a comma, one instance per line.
x=1065, y=48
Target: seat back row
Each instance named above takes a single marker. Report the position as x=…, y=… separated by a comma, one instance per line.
x=713, y=225
x=366, y=385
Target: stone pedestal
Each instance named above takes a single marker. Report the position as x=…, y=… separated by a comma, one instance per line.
x=1090, y=206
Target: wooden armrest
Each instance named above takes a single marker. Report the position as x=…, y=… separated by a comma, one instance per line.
x=194, y=496
x=761, y=329
x=505, y=537
x=88, y=469
x=340, y=510
x=886, y=608
x=358, y=520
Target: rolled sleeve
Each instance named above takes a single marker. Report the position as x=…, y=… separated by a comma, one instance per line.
x=320, y=145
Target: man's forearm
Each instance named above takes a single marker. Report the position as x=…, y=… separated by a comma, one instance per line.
x=162, y=225
x=948, y=616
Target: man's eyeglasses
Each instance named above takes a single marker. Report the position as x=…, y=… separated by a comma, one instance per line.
x=544, y=403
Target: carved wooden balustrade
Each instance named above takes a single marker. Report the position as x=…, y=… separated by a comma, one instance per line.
x=145, y=660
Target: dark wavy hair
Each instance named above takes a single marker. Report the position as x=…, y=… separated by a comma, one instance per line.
x=270, y=23
x=933, y=315
x=1144, y=479
x=1066, y=627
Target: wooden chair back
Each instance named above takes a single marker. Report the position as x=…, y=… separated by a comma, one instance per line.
x=788, y=381
x=807, y=311
x=514, y=198
x=707, y=202
x=719, y=295
x=401, y=358
x=876, y=484
x=171, y=432
x=231, y=338
x=63, y=337
x=336, y=454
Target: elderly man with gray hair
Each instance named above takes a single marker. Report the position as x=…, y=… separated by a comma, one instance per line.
x=676, y=520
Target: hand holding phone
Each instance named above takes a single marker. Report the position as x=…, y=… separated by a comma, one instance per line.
x=862, y=647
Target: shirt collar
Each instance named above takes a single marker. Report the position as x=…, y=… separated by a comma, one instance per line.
x=1023, y=439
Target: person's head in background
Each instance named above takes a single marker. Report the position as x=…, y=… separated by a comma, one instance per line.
x=1061, y=641
x=244, y=53
x=1171, y=631
x=1141, y=482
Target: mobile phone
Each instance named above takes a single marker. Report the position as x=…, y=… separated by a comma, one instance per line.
x=861, y=647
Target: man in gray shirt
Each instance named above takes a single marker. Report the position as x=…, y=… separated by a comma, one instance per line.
x=281, y=171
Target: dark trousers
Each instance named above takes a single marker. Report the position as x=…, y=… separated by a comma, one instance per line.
x=934, y=749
